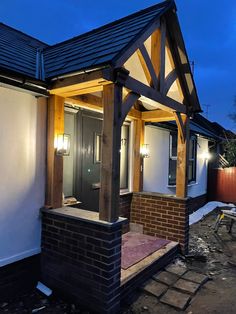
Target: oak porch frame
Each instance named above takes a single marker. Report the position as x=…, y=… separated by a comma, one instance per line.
x=115, y=111
x=111, y=81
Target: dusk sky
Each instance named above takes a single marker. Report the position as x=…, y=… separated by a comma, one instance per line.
x=209, y=30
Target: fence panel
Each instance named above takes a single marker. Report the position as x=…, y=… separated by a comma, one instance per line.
x=222, y=184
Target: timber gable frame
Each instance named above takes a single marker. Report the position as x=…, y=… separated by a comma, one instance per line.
x=162, y=37
x=122, y=93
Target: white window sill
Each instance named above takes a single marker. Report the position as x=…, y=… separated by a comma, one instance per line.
x=125, y=191
x=190, y=184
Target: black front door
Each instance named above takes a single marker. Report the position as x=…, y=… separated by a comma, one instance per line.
x=81, y=173
x=89, y=159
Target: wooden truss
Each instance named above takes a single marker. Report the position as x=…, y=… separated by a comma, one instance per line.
x=119, y=91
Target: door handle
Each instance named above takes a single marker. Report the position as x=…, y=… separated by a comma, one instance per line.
x=96, y=186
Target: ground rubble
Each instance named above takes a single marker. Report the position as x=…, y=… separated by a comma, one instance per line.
x=212, y=255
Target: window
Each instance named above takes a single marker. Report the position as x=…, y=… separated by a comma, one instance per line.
x=97, y=151
x=124, y=157
x=192, y=160
x=173, y=159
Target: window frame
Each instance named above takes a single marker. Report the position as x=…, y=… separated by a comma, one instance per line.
x=193, y=160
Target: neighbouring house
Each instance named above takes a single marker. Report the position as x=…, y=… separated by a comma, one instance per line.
x=76, y=122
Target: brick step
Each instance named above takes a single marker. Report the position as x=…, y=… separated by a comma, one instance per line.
x=135, y=276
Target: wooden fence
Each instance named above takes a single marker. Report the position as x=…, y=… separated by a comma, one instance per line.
x=222, y=185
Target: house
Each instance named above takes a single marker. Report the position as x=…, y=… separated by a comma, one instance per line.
x=98, y=92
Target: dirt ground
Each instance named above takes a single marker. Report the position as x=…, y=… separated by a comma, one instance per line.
x=210, y=253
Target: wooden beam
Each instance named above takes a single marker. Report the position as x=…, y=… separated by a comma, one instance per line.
x=181, y=59
x=162, y=55
x=128, y=51
x=84, y=101
x=110, y=166
x=164, y=102
x=170, y=79
x=173, y=65
x=62, y=84
x=95, y=103
x=147, y=66
x=156, y=51
x=181, y=126
x=54, y=162
x=182, y=159
x=134, y=114
x=138, y=160
x=80, y=90
x=128, y=102
x=157, y=116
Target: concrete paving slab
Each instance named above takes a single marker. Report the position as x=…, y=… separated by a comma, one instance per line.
x=176, y=269
x=195, y=277
x=176, y=299
x=155, y=288
x=187, y=286
x=166, y=278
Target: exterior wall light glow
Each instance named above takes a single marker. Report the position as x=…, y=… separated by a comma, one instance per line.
x=62, y=144
x=145, y=151
x=206, y=155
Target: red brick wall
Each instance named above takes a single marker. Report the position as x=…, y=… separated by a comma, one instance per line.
x=162, y=216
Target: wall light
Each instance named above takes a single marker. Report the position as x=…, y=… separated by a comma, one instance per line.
x=62, y=144
x=206, y=155
x=145, y=151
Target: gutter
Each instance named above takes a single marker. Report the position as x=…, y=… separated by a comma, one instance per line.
x=24, y=83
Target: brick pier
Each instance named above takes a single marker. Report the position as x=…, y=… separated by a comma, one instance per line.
x=81, y=257
x=162, y=216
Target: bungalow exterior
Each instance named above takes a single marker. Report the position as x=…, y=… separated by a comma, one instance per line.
x=109, y=89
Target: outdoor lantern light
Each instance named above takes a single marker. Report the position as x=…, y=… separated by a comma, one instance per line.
x=62, y=144
x=206, y=155
x=145, y=151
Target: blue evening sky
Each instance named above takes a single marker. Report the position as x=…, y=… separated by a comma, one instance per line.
x=209, y=30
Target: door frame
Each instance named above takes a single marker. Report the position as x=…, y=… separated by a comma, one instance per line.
x=79, y=130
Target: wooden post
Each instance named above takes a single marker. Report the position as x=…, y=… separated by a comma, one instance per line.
x=138, y=160
x=182, y=157
x=158, y=43
x=110, y=167
x=54, y=162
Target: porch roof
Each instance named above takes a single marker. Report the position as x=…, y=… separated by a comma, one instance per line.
x=23, y=54
x=100, y=46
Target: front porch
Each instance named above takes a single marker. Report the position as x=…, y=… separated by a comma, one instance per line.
x=81, y=258
x=150, y=81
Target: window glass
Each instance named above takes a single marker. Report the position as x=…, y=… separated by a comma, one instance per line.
x=97, y=148
x=124, y=157
x=173, y=147
x=173, y=159
x=172, y=171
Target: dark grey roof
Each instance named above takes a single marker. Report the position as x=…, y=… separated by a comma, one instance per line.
x=25, y=55
x=18, y=52
x=100, y=46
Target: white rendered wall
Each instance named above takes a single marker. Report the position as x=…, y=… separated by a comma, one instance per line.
x=156, y=167
x=22, y=169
